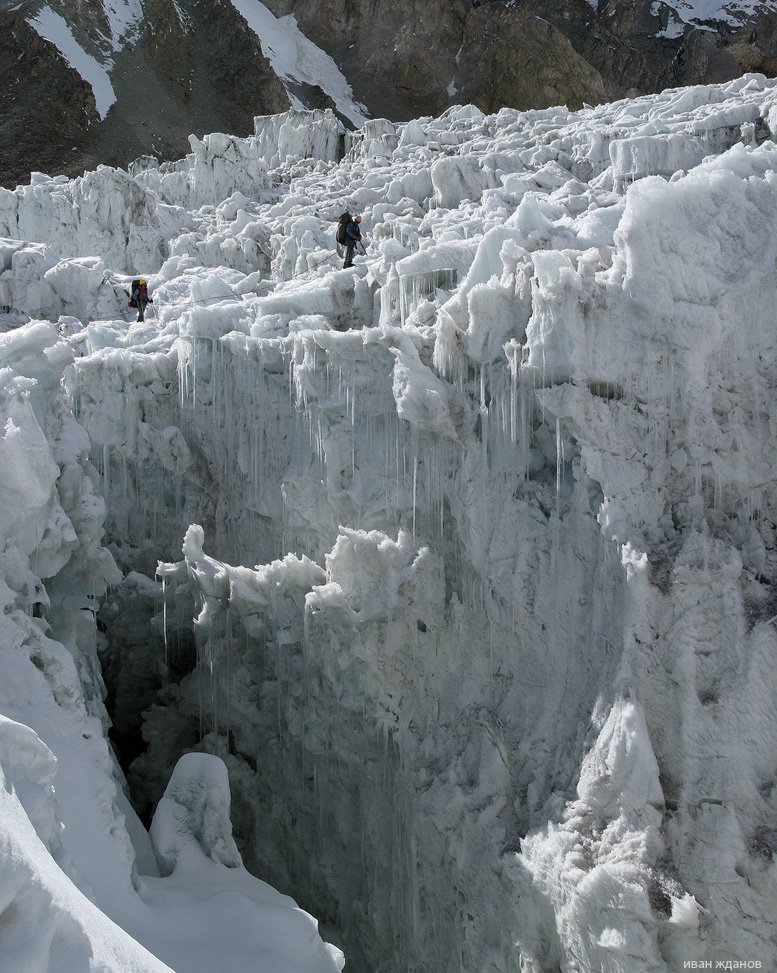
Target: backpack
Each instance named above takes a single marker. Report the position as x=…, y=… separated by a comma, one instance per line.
x=138, y=291
x=342, y=223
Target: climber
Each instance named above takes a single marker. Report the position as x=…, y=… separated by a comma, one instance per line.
x=138, y=296
x=352, y=237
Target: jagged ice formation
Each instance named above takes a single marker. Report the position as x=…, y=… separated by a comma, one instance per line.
x=484, y=633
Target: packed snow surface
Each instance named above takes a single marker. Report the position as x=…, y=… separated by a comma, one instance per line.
x=438, y=592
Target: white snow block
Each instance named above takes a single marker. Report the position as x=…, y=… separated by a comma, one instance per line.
x=104, y=212
x=192, y=819
x=377, y=138
x=658, y=155
x=299, y=134
x=456, y=178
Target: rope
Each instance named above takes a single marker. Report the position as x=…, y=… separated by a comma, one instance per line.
x=111, y=279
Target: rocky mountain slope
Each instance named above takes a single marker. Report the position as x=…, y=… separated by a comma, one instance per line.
x=106, y=81
x=179, y=68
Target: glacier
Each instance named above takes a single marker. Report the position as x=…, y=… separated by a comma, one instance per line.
x=438, y=593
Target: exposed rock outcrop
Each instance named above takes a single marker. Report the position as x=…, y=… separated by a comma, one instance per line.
x=409, y=58
x=37, y=130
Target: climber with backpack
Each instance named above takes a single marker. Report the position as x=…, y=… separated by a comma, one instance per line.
x=348, y=235
x=138, y=296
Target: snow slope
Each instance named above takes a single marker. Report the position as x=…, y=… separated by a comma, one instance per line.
x=701, y=11
x=297, y=59
x=53, y=27
x=461, y=562
x=124, y=19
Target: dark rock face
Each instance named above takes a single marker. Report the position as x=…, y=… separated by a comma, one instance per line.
x=216, y=69
x=205, y=74
x=194, y=66
x=412, y=57
x=418, y=57
x=513, y=57
x=46, y=108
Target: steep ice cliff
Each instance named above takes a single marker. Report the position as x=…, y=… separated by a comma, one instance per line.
x=82, y=886
x=461, y=561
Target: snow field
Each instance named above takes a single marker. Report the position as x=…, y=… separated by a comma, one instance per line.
x=483, y=634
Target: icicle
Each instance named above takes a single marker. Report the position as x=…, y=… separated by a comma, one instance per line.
x=181, y=374
x=527, y=409
x=212, y=674
x=415, y=488
x=279, y=694
x=228, y=641
x=200, y=676
x=755, y=504
x=125, y=498
x=559, y=463
x=164, y=620
x=484, y=434
x=107, y=474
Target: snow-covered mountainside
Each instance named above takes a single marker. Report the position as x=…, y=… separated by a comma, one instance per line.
x=446, y=581
x=138, y=76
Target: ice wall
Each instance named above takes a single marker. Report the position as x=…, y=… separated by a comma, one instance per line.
x=477, y=538
x=79, y=887
x=54, y=570
x=103, y=213
x=220, y=165
x=300, y=134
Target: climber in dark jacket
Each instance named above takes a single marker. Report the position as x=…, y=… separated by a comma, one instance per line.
x=352, y=237
x=138, y=297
